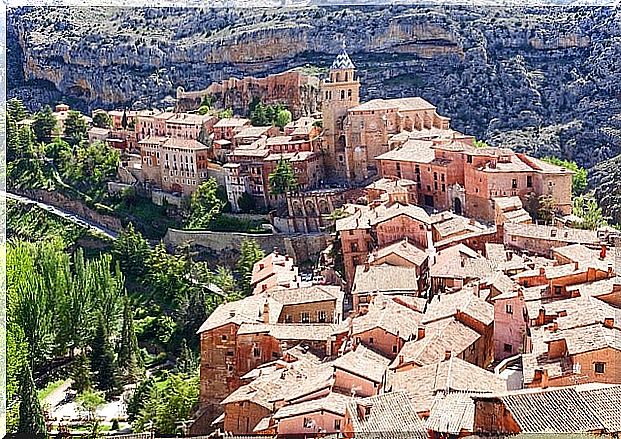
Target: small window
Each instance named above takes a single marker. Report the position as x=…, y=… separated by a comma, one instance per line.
x=394, y=349
x=557, y=290
x=256, y=352
x=304, y=317
x=514, y=183
x=322, y=316
x=308, y=423
x=230, y=353
x=224, y=338
x=337, y=424
x=529, y=181
x=370, y=340
x=288, y=318
x=351, y=232
x=508, y=348
x=509, y=308
x=435, y=185
x=469, y=159
x=443, y=188
x=599, y=367
x=435, y=175
x=354, y=247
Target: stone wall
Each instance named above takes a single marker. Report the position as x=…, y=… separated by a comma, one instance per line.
x=300, y=247
x=74, y=206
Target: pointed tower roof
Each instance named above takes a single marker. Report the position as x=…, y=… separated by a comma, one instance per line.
x=342, y=61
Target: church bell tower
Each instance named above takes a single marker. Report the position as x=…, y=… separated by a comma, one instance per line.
x=340, y=91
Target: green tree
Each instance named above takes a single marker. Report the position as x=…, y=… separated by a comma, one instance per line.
x=31, y=420
x=579, y=179
x=139, y=398
x=81, y=374
x=283, y=179
x=102, y=360
x=89, y=402
x=546, y=209
x=44, y=124
x=129, y=355
x=205, y=205
x=283, y=117
x=131, y=251
x=247, y=203
x=101, y=119
x=225, y=114
x=186, y=362
x=479, y=144
x=590, y=212
x=251, y=253
x=16, y=109
x=76, y=128
x=203, y=109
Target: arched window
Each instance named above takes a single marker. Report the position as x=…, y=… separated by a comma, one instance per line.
x=346, y=77
x=349, y=93
x=342, y=94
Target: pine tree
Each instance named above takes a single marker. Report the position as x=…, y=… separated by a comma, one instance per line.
x=131, y=251
x=31, y=420
x=129, y=355
x=44, y=124
x=81, y=374
x=102, y=359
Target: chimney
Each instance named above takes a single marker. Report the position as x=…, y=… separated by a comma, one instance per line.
x=401, y=360
x=541, y=317
x=602, y=253
x=576, y=265
x=447, y=355
x=553, y=327
x=366, y=267
x=609, y=322
x=421, y=333
x=275, y=251
x=544, y=379
x=542, y=271
x=286, y=257
x=263, y=287
x=266, y=312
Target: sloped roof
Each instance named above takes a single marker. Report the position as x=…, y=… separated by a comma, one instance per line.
x=441, y=336
x=465, y=301
x=557, y=411
x=342, y=61
x=394, y=318
x=390, y=416
x=334, y=403
x=363, y=362
x=384, y=278
x=247, y=310
x=454, y=374
x=404, y=250
x=451, y=412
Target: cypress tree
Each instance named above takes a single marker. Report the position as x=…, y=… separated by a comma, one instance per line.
x=102, y=359
x=129, y=356
x=186, y=360
x=81, y=374
x=31, y=420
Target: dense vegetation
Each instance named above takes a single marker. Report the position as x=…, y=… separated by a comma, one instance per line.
x=266, y=115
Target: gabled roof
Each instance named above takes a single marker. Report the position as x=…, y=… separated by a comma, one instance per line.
x=387, y=416
x=247, y=310
x=441, y=336
x=454, y=374
x=451, y=412
x=390, y=316
x=384, y=213
x=465, y=301
x=334, y=403
x=364, y=363
x=404, y=250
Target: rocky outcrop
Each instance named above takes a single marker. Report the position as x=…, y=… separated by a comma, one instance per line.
x=542, y=80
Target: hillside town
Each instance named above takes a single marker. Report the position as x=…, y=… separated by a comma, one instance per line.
x=441, y=307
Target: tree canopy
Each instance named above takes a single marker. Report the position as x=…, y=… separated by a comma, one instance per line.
x=76, y=128
x=44, y=124
x=101, y=119
x=283, y=179
x=251, y=253
x=205, y=205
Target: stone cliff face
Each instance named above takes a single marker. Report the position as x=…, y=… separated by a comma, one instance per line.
x=544, y=81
